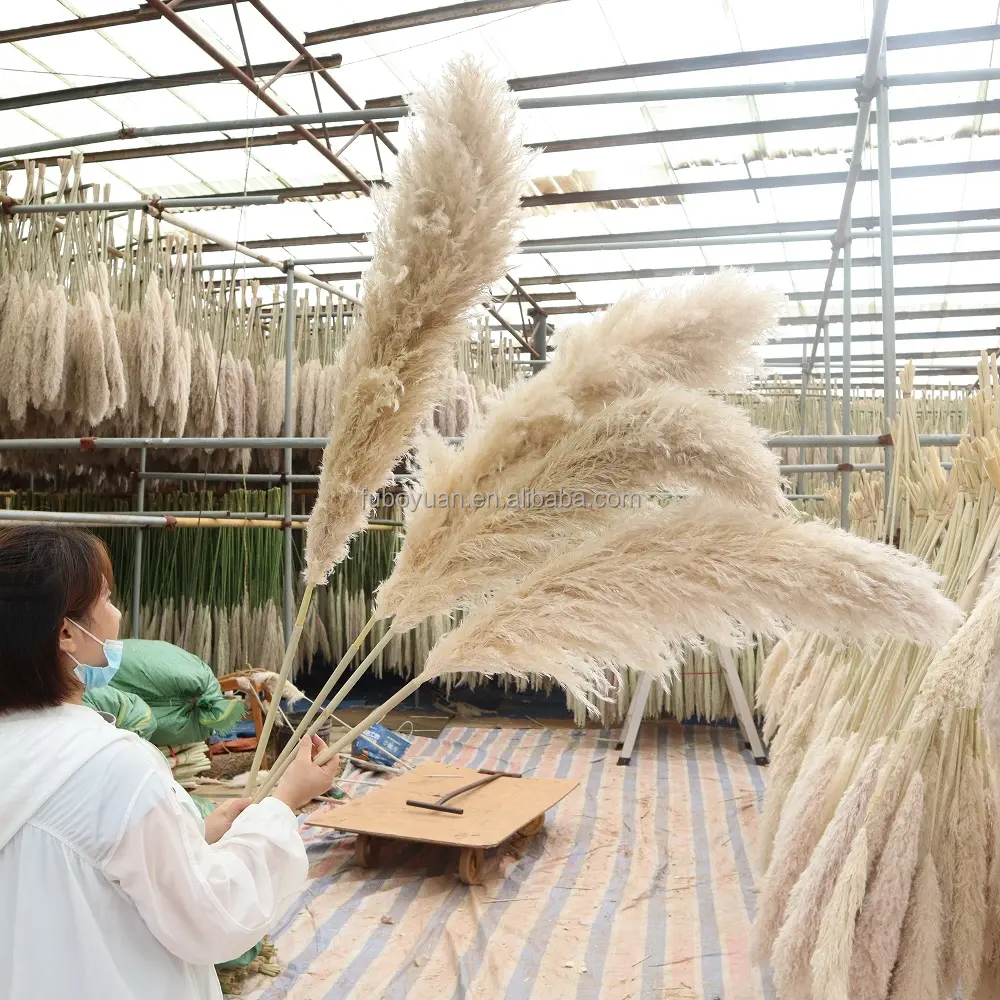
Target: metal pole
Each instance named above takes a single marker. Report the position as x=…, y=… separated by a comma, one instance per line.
x=876, y=43
x=287, y=577
x=888, y=287
x=540, y=341
x=140, y=502
x=828, y=391
x=845, y=416
x=800, y=486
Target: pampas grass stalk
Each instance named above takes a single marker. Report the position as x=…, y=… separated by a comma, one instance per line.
x=917, y=968
x=443, y=233
x=831, y=961
x=881, y=924
x=797, y=938
x=800, y=829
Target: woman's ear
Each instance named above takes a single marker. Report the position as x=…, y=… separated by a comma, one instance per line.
x=67, y=640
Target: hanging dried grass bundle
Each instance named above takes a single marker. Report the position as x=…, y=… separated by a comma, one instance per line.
x=150, y=341
x=94, y=395
x=47, y=368
x=170, y=372
x=113, y=363
x=12, y=324
x=444, y=231
x=18, y=375
x=250, y=399
x=179, y=411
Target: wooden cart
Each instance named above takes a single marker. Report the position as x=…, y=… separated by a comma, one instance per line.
x=479, y=819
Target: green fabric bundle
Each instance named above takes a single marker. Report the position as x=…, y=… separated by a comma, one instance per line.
x=129, y=710
x=181, y=690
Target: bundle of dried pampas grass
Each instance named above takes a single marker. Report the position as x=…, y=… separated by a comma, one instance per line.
x=443, y=233
x=928, y=920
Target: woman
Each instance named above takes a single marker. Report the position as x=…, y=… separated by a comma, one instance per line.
x=111, y=886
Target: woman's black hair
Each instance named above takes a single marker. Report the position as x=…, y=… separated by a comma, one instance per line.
x=47, y=574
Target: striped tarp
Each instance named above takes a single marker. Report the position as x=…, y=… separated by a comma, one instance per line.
x=639, y=888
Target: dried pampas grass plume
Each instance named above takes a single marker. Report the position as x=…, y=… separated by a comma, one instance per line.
x=150, y=341
x=958, y=675
x=831, y=961
x=881, y=923
x=918, y=966
x=669, y=437
x=802, y=822
x=700, y=568
x=701, y=335
x=444, y=231
x=796, y=941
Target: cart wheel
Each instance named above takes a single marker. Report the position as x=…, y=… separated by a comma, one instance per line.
x=472, y=865
x=530, y=829
x=367, y=851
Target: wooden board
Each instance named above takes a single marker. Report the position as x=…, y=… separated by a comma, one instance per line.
x=493, y=812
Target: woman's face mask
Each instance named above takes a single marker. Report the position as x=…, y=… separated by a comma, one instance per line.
x=96, y=677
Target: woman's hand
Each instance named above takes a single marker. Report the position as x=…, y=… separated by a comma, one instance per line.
x=218, y=822
x=304, y=780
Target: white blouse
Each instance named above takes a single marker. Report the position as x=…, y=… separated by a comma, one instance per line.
x=108, y=890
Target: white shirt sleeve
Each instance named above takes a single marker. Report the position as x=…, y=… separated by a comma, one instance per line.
x=206, y=903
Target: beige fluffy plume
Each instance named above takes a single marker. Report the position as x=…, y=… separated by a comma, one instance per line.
x=444, y=231
x=830, y=963
x=701, y=568
x=601, y=471
x=802, y=823
x=881, y=923
x=917, y=968
x=796, y=941
x=699, y=337
x=702, y=335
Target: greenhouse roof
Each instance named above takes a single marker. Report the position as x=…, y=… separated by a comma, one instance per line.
x=780, y=166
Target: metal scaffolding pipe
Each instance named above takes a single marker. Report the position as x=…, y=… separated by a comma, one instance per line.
x=140, y=204
x=854, y=440
x=831, y=468
x=102, y=519
x=886, y=261
x=373, y=115
x=147, y=83
x=262, y=95
x=757, y=57
x=140, y=496
x=195, y=443
x=288, y=604
x=764, y=267
x=845, y=403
